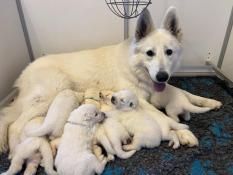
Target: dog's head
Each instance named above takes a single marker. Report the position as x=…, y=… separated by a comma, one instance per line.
x=156, y=52
x=87, y=114
x=124, y=100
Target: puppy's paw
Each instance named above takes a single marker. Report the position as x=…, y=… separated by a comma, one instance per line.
x=186, y=137
x=174, y=145
x=104, y=161
x=101, y=157
x=213, y=104
x=52, y=172
x=128, y=147
x=176, y=118
x=5, y=173
x=110, y=157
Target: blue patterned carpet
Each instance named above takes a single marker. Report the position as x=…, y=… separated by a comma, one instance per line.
x=214, y=129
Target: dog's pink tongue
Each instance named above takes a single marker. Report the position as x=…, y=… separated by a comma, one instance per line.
x=159, y=87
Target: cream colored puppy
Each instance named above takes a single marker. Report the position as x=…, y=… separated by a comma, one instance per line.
x=111, y=134
x=58, y=113
x=146, y=131
x=176, y=102
x=74, y=155
x=31, y=150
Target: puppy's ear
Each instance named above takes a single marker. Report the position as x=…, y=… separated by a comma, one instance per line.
x=171, y=23
x=144, y=25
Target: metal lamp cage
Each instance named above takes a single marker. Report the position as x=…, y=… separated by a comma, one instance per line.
x=127, y=8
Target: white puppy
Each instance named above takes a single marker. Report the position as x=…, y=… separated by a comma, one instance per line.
x=146, y=131
x=31, y=150
x=74, y=155
x=111, y=134
x=176, y=102
x=58, y=113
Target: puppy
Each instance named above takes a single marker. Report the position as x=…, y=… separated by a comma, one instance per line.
x=146, y=131
x=111, y=133
x=31, y=150
x=58, y=113
x=176, y=103
x=74, y=155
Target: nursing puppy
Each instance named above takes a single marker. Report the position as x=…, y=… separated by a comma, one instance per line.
x=146, y=131
x=176, y=102
x=74, y=155
x=57, y=115
x=111, y=133
x=31, y=150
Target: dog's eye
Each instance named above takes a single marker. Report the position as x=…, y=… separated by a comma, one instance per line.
x=150, y=53
x=169, y=52
x=131, y=104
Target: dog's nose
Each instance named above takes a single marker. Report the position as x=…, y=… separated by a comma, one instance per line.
x=162, y=76
x=113, y=100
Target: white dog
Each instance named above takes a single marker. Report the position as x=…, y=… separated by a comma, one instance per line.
x=74, y=155
x=146, y=131
x=176, y=102
x=142, y=64
x=31, y=150
x=57, y=115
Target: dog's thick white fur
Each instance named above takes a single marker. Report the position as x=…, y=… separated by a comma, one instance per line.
x=57, y=115
x=146, y=131
x=134, y=64
x=31, y=150
x=176, y=102
x=74, y=155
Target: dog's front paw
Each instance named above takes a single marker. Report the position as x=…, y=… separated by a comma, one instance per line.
x=213, y=104
x=186, y=137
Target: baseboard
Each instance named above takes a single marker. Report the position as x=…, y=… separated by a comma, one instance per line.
x=186, y=71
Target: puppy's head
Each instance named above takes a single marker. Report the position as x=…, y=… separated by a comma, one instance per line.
x=87, y=114
x=124, y=100
x=156, y=52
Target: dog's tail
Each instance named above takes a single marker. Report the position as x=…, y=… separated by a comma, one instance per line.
x=195, y=109
x=177, y=126
x=7, y=116
x=47, y=155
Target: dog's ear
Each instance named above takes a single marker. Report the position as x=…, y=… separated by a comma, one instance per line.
x=144, y=25
x=171, y=23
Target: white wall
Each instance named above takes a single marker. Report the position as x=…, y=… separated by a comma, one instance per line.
x=64, y=26
x=204, y=25
x=13, y=52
